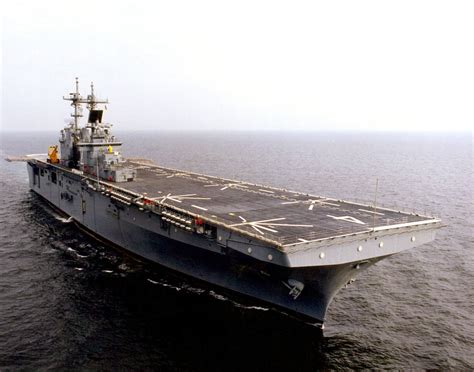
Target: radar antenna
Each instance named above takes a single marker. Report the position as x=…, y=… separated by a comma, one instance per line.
x=76, y=101
x=92, y=100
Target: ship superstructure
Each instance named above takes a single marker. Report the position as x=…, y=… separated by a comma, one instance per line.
x=291, y=250
x=92, y=148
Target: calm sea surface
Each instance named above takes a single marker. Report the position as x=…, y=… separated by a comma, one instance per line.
x=68, y=302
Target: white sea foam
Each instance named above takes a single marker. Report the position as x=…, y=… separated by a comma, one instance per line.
x=258, y=308
x=236, y=304
x=164, y=284
x=218, y=296
x=426, y=170
x=64, y=220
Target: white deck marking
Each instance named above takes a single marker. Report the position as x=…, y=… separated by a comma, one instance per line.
x=267, y=225
x=321, y=202
x=373, y=212
x=267, y=191
x=303, y=240
x=161, y=174
x=253, y=227
x=266, y=228
x=198, y=207
x=312, y=203
x=260, y=231
x=288, y=225
x=226, y=186
x=162, y=199
x=245, y=222
x=347, y=219
x=179, y=198
x=178, y=174
x=425, y=222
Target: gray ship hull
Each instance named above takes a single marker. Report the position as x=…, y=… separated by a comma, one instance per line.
x=289, y=249
x=143, y=234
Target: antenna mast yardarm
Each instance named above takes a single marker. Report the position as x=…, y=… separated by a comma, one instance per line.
x=76, y=100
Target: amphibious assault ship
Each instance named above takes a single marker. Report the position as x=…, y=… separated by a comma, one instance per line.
x=291, y=250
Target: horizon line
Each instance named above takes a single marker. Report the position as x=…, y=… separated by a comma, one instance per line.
x=267, y=130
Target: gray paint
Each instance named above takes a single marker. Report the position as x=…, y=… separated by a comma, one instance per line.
x=226, y=262
x=299, y=270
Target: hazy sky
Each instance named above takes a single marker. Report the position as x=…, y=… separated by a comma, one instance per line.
x=333, y=65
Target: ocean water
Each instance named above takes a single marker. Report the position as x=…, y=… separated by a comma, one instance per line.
x=68, y=302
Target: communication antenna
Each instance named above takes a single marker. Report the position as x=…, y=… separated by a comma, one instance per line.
x=92, y=100
x=375, y=200
x=76, y=100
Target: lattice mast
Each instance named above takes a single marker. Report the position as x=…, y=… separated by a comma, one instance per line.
x=76, y=101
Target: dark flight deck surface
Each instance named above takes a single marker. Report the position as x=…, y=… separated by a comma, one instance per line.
x=283, y=216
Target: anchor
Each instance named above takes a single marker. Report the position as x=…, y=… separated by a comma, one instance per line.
x=295, y=287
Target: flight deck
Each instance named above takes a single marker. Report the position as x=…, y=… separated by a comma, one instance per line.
x=283, y=216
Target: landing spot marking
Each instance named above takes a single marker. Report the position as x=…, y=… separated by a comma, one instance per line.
x=373, y=212
x=198, y=207
x=347, y=219
x=321, y=202
x=178, y=174
x=225, y=186
x=267, y=225
x=179, y=198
